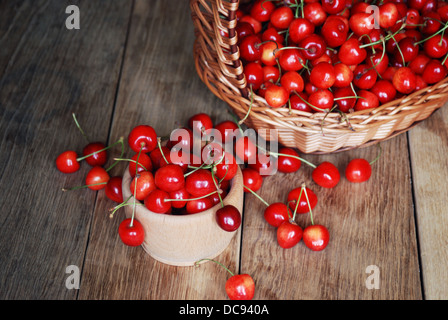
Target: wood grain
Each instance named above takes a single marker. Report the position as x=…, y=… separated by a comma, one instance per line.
x=429, y=147
x=48, y=72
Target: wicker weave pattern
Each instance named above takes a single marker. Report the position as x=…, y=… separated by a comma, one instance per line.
x=218, y=65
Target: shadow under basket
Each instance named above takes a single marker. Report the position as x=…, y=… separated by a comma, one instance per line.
x=182, y=240
x=218, y=65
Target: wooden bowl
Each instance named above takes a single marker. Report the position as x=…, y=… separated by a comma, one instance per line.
x=181, y=240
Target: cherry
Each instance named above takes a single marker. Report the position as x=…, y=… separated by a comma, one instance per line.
x=262, y=10
x=179, y=197
x=321, y=100
x=198, y=205
x=367, y=100
x=181, y=139
x=276, y=96
x=157, y=201
x=270, y=53
x=351, y=53
x=431, y=23
x=297, y=102
x=271, y=33
x=314, y=46
x=333, y=6
x=404, y=80
x=131, y=232
x=299, y=29
x=144, y=163
x=292, y=81
x=288, y=160
x=419, y=63
x=244, y=29
x=265, y=165
x=96, y=155
x=252, y=180
x=436, y=46
x=67, y=162
x=169, y=178
x=384, y=90
x=344, y=98
x=254, y=75
x=406, y=50
x=97, y=178
x=142, y=137
x=364, y=77
x=378, y=61
x=358, y=170
x=289, y=234
x=245, y=149
x=302, y=206
x=158, y=156
x=250, y=48
x=343, y=75
x=314, y=13
x=200, y=183
x=228, y=130
x=240, y=287
x=361, y=23
x=142, y=185
x=256, y=25
x=434, y=72
x=316, y=237
x=114, y=190
x=271, y=74
x=388, y=15
x=326, y=175
x=335, y=31
x=277, y=213
x=200, y=123
x=227, y=168
x=228, y=218
x=282, y=17
x=291, y=59
x=323, y=75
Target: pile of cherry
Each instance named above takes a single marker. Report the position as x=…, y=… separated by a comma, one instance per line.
x=341, y=55
x=170, y=178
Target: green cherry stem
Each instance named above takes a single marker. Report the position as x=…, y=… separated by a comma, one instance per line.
x=79, y=127
x=106, y=148
x=250, y=106
x=378, y=156
x=297, y=202
x=256, y=195
x=135, y=186
x=308, y=202
x=217, y=262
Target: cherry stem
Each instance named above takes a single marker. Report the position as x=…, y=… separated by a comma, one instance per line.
x=217, y=262
x=121, y=155
x=297, y=204
x=135, y=187
x=198, y=198
x=250, y=106
x=117, y=207
x=433, y=35
x=320, y=109
x=378, y=156
x=130, y=160
x=104, y=149
x=84, y=186
x=309, y=205
x=256, y=195
x=79, y=127
x=159, y=144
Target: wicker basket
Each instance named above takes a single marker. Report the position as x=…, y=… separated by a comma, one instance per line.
x=218, y=65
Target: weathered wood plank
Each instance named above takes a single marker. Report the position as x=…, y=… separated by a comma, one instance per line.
x=429, y=146
x=48, y=72
x=159, y=87
x=370, y=224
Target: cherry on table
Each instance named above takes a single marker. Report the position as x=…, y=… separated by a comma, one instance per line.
x=131, y=232
x=97, y=178
x=316, y=237
x=277, y=213
x=288, y=160
x=67, y=162
x=326, y=175
x=251, y=179
x=98, y=156
x=114, y=189
x=289, y=234
x=358, y=170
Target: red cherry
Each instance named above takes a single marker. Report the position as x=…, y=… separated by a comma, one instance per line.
x=299, y=29
x=169, y=178
x=316, y=237
x=240, y=287
x=404, y=80
x=200, y=123
x=198, y=205
x=157, y=158
x=144, y=163
x=244, y=29
x=98, y=155
x=145, y=185
x=142, y=137
x=227, y=168
x=436, y=46
x=271, y=73
x=292, y=81
x=298, y=103
x=157, y=202
x=291, y=59
x=384, y=90
x=228, y=218
x=388, y=15
x=228, y=130
x=326, y=175
x=333, y=6
x=97, y=178
x=131, y=232
x=323, y=75
x=250, y=48
x=181, y=196
x=67, y=162
x=254, y=75
x=302, y=207
x=367, y=100
x=181, y=139
x=350, y=52
x=419, y=63
x=271, y=33
x=364, y=77
x=314, y=46
x=321, y=100
x=289, y=234
x=343, y=75
x=114, y=190
x=406, y=49
x=262, y=10
x=378, y=61
x=361, y=23
x=276, y=96
x=358, y=170
x=282, y=17
x=434, y=72
x=335, y=31
x=265, y=165
x=277, y=213
x=245, y=149
x=251, y=179
x=344, y=98
x=200, y=183
x=287, y=164
x=314, y=13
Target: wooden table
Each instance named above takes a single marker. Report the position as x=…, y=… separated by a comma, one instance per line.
x=131, y=62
